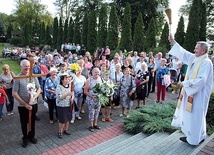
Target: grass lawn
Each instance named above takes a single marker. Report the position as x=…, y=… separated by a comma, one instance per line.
x=14, y=65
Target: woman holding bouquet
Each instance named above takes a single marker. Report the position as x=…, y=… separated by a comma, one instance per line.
x=91, y=100
x=128, y=87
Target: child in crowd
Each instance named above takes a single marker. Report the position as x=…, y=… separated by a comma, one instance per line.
x=3, y=98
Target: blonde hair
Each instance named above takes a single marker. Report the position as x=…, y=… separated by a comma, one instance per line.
x=5, y=66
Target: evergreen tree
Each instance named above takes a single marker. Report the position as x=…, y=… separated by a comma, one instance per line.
x=102, y=27
x=139, y=34
x=112, y=36
x=92, y=33
x=1, y=27
x=126, y=35
x=77, y=33
x=9, y=29
x=164, y=42
x=27, y=37
x=65, y=34
x=150, y=42
x=60, y=34
x=192, y=33
x=180, y=33
x=55, y=33
x=48, y=39
x=70, y=30
x=203, y=25
x=85, y=29
x=42, y=34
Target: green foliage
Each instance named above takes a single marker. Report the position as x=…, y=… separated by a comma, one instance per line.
x=112, y=36
x=126, y=35
x=55, y=33
x=192, y=33
x=48, y=35
x=210, y=114
x=65, y=35
x=138, y=38
x=163, y=50
x=92, y=33
x=164, y=42
x=77, y=34
x=151, y=118
x=70, y=30
x=102, y=27
x=180, y=33
x=203, y=24
x=150, y=42
x=85, y=30
x=60, y=34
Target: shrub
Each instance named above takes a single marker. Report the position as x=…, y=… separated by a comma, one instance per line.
x=151, y=118
x=210, y=115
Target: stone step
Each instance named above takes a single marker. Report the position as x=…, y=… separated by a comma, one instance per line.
x=106, y=144
x=114, y=148
x=170, y=145
x=143, y=144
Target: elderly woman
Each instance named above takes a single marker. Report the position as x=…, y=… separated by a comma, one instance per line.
x=151, y=68
x=161, y=87
x=128, y=87
x=6, y=80
x=93, y=103
x=79, y=82
x=142, y=78
x=50, y=92
x=64, y=99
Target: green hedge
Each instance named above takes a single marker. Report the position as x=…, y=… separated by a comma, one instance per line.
x=210, y=115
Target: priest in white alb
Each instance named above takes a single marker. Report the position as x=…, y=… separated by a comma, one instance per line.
x=193, y=102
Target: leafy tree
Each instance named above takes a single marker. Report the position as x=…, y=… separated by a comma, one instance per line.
x=92, y=33
x=139, y=34
x=55, y=33
x=9, y=29
x=27, y=37
x=65, y=35
x=1, y=28
x=192, y=33
x=150, y=42
x=203, y=24
x=126, y=35
x=42, y=38
x=70, y=30
x=85, y=29
x=180, y=33
x=60, y=34
x=164, y=37
x=102, y=27
x=48, y=35
x=77, y=33
x=112, y=34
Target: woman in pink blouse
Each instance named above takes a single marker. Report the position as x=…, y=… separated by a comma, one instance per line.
x=88, y=65
x=104, y=60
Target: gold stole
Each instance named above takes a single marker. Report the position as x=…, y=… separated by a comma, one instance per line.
x=194, y=75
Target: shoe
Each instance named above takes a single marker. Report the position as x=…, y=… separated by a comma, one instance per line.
x=33, y=140
x=51, y=121
x=109, y=120
x=137, y=107
x=91, y=128
x=25, y=143
x=97, y=127
x=11, y=112
x=1, y=119
x=82, y=111
x=8, y=114
x=59, y=135
x=121, y=115
x=79, y=118
x=152, y=91
x=66, y=133
x=157, y=101
x=37, y=118
x=183, y=139
x=162, y=102
x=72, y=120
x=103, y=119
x=127, y=116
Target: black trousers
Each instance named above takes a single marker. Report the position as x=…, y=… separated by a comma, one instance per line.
x=51, y=107
x=154, y=82
x=24, y=113
x=150, y=84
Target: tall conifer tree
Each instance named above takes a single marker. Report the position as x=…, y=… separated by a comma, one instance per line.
x=55, y=33
x=85, y=29
x=180, y=33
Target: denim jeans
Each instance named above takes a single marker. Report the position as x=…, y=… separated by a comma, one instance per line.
x=1, y=110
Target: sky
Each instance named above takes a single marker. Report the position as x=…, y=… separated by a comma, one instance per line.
x=6, y=6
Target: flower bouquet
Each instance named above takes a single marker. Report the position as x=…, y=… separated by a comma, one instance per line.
x=103, y=91
x=31, y=88
x=74, y=67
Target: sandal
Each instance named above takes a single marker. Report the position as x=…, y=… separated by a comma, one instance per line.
x=91, y=128
x=97, y=127
x=66, y=132
x=79, y=118
x=60, y=135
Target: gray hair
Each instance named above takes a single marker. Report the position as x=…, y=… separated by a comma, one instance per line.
x=23, y=62
x=204, y=45
x=95, y=69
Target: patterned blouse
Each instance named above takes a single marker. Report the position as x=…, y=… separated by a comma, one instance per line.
x=61, y=90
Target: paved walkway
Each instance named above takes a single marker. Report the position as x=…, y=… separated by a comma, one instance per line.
x=48, y=142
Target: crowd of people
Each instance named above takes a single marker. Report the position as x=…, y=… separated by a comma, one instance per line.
x=66, y=93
